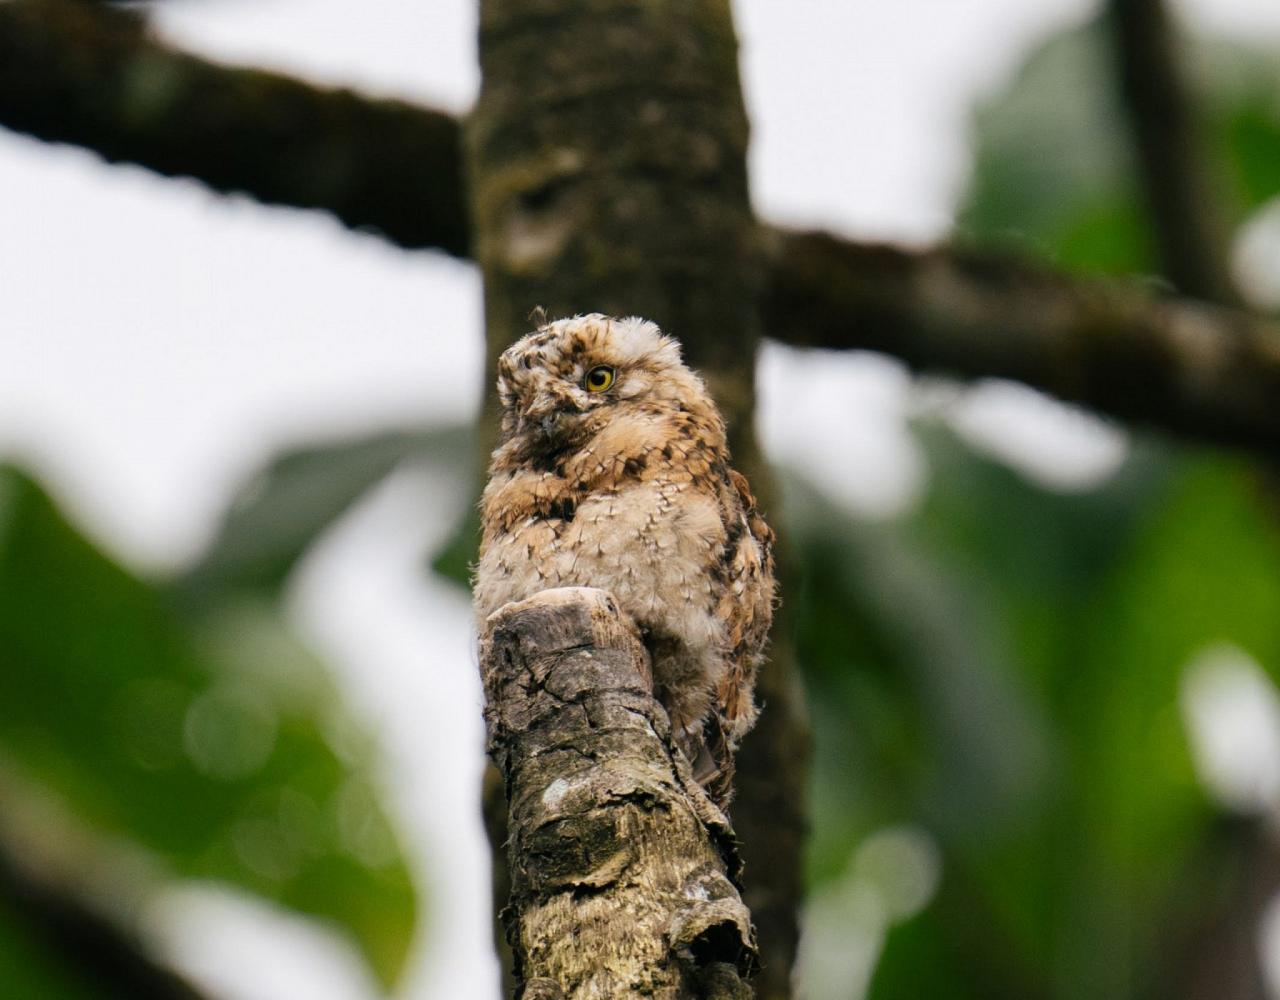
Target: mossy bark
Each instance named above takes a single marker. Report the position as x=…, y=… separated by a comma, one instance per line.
x=622, y=869
x=607, y=166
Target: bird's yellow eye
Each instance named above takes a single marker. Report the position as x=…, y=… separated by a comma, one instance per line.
x=598, y=379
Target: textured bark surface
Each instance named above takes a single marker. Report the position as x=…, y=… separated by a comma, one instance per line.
x=1176, y=364
x=771, y=811
x=608, y=172
x=622, y=869
x=493, y=804
x=84, y=74
x=607, y=167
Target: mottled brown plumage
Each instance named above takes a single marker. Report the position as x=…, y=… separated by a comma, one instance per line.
x=629, y=488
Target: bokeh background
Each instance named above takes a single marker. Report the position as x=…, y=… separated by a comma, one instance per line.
x=239, y=712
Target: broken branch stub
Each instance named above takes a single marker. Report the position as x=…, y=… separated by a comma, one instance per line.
x=623, y=871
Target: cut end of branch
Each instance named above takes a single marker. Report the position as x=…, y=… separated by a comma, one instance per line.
x=622, y=869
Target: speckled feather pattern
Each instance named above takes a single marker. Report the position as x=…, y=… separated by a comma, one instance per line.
x=630, y=490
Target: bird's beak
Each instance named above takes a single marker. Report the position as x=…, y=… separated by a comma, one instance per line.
x=547, y=411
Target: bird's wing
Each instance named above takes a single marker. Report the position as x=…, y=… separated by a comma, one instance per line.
x=746, y=608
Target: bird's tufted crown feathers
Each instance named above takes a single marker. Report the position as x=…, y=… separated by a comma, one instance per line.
x=557, y=380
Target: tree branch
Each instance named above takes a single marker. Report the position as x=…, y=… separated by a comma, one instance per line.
x=1218, y=955
x=67, y=72
x=95, y=951
x=1184, y=366
x=605, y=817
x=1191, y=235
x=92, y=76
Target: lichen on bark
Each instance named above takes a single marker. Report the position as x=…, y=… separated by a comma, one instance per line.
x=623, y=871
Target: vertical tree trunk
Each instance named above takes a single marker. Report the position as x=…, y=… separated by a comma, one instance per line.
x=608, y=156
x=607, y=163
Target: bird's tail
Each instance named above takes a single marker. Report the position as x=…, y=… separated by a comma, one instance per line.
x=711, y=757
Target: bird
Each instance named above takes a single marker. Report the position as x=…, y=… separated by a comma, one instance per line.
x=612, y=471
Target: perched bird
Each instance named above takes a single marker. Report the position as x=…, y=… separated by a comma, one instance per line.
x=612, y=471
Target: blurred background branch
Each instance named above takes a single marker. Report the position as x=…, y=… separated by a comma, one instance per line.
x=78, y=73
x=1219, y=953
x=1178, y=365
x=92, y=75
x=89, y=949
x=1186, y=212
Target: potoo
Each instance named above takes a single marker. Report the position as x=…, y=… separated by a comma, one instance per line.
x=612, y=471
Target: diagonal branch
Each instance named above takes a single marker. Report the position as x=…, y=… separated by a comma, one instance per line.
x=1191, y=236
x=89, y=948
x=92, y=76
x=1184, y=366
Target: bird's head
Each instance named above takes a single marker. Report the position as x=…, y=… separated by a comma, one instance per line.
x=561, y=383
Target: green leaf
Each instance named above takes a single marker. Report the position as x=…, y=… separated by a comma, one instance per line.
x=216, y=747
x=285, y=507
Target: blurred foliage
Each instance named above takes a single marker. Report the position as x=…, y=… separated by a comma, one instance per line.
x=277, y=516
x=1001, y=667
x=454, y=558
x=188, y=720
x=1053, y=169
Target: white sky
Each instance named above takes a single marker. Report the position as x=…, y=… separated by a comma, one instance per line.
x=157, y=343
